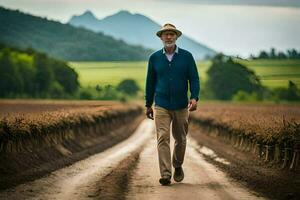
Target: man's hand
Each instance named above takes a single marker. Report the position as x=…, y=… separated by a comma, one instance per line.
x=149, y=113
x=192, y=105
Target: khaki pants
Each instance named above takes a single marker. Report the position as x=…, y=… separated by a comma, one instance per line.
x=179, y=120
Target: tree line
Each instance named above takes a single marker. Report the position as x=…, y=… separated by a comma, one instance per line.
x=274, y=54
x=31, y=74
x=28, y=73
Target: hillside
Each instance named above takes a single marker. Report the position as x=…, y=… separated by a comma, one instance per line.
x=62, y=40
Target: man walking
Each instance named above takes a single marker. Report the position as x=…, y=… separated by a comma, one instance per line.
x=169, y=72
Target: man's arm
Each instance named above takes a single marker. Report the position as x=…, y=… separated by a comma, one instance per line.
x=193, y=79
x=150, y=84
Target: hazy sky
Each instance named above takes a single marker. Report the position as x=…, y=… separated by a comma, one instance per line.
x=237, y=27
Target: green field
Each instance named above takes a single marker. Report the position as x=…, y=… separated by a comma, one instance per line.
x=276, y=73
x=273, y=73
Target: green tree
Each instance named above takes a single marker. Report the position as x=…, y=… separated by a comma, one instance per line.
x=263, y=55
x=293, y=54
x=128, y=86
x=44, y=74
x=109, y=93
x=292, y=93
x=56, y=90
x=31, y=74
x=244, y=96
x=65, y=76
x=281, y=55
x=85, y=94
x=26, y=71
x=226, y=77
x=10, y=79
x=273, y=53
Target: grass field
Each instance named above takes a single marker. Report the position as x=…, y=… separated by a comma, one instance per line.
x=276, y=73
x=273, y=73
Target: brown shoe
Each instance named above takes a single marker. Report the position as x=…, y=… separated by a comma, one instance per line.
x=178, y=174
x=165, y=180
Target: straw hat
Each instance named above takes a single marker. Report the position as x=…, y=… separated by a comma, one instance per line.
x=169, y=27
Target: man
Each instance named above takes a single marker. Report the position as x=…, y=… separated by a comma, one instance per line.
x=169, y=72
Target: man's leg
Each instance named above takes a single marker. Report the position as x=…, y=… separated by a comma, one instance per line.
x=179, y=132
x=162, y=120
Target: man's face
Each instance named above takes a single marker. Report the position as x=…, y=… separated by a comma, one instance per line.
x=168, y=38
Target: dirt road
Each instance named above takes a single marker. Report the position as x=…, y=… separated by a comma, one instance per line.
x=132, y=166
x=202, y=179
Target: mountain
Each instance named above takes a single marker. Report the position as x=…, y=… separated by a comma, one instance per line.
x=63, y=40
x=135, y=29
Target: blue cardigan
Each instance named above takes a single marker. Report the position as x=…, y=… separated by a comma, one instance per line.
x=167, y=81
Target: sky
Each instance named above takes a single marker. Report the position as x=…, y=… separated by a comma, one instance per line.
x=234, y=27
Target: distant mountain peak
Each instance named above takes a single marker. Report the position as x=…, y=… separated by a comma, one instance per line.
x=123, y=12
x=86, y=15
x=121, y=15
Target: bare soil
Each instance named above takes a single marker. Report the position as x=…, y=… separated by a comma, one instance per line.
x=21, y=167
x=264, y=178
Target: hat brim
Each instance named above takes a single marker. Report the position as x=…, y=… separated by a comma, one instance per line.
x=178, y=33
